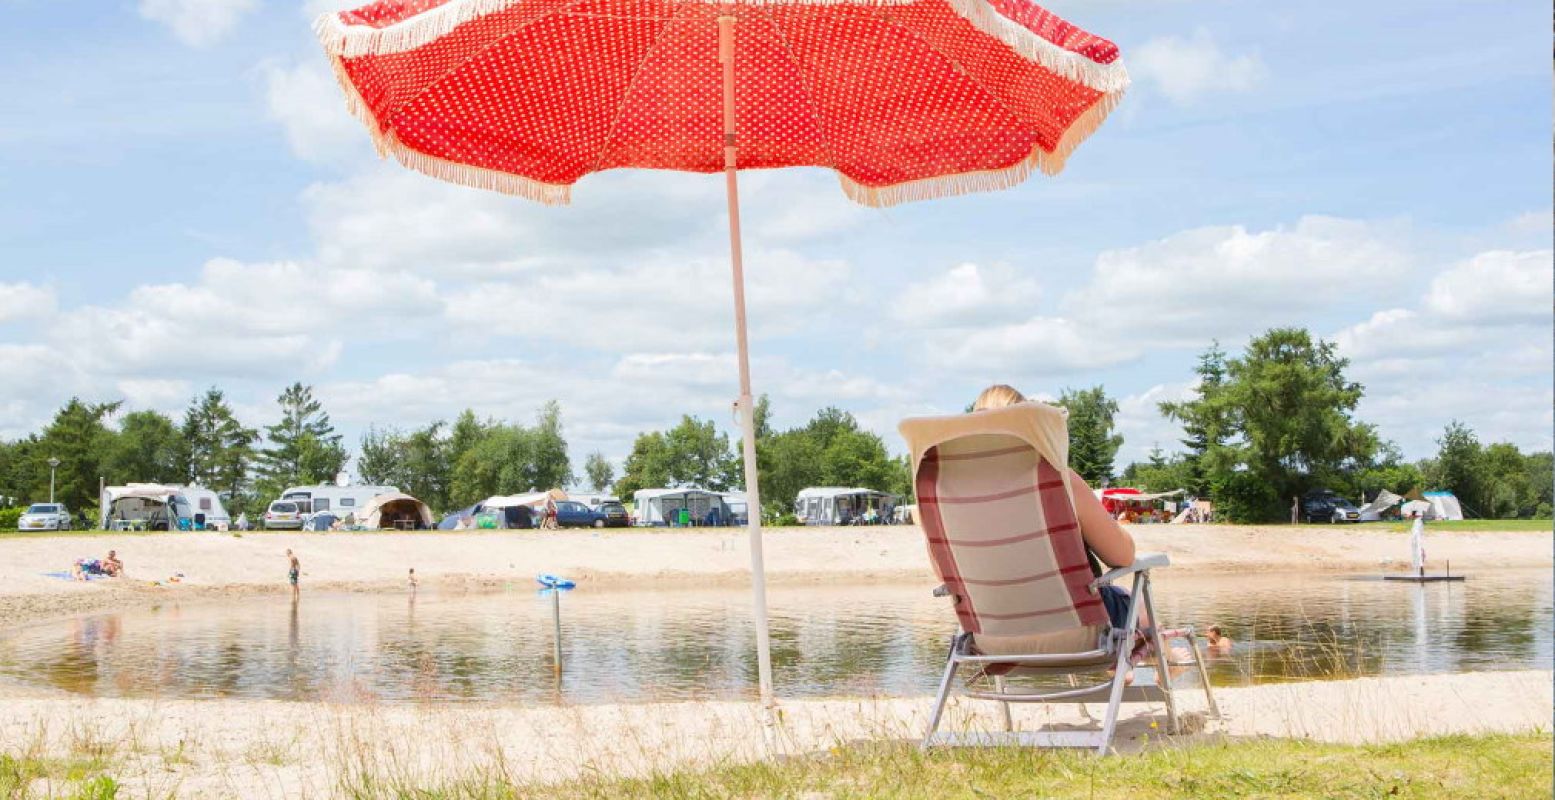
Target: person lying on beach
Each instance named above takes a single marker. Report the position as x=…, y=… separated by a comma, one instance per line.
x=112, y=566
x=1219, y=644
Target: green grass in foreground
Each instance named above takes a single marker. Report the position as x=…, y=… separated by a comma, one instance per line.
x=1467, y=526
x=1458, y=766
x=25, y=777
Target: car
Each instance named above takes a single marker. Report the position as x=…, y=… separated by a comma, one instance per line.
x=1323, y=505
x=44, y=517
x=610, y=514
x=572, y=514
x=283, y=515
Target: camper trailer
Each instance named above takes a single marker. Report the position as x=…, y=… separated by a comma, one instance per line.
x=833, y=505
x=337, y=500
x=164, y=507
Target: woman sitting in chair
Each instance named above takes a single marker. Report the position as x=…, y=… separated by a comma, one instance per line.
x=1105, y=539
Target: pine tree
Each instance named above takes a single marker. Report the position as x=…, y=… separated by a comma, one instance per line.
x=217, y=450
x=304, y=448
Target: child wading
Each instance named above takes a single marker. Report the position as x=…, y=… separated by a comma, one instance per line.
x=294, y=570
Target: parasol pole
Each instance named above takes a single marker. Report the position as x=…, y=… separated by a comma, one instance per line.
x=747, y=406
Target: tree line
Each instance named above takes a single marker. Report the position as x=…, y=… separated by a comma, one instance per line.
x=829, y=450
x=1262, y=427
x=1279, y=420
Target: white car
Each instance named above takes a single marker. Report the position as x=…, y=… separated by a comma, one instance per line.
x=45, y=517
x=283, y=515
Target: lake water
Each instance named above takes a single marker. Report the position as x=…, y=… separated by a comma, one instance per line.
x=632, y=646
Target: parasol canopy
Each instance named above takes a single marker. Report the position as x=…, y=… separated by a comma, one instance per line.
x=904, y=99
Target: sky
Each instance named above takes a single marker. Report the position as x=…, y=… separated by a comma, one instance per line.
x=185, y=203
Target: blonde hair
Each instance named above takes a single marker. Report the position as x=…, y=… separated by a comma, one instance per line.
x=998, y=396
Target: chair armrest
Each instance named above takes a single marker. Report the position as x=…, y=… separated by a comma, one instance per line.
x=1143, y=562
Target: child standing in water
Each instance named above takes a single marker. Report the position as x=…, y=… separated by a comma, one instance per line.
x=411, y=581
x=294, y=570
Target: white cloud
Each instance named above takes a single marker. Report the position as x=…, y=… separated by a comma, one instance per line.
x=657, y=305
x=1187, y=69
x=1139, y=420
x=306, y=100
x=240, y=320
x=966, y=294
x=1181, y=291
x=1496, y=288
x=1476, y=347
x=25, y=301
x=198, y=23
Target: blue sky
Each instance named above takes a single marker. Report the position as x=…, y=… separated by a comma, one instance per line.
x=184, y=202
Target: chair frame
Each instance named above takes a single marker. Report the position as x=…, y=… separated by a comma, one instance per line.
x=1115, y=647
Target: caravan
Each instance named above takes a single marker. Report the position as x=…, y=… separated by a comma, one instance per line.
x=159, y=507
x=298, y=503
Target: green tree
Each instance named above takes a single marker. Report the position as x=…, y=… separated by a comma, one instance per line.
x=304, y=448
x=1205, y=422
x=699, y=455
x=647, y=466
x=599, y=471
x=1458, y=466
x=79, y=437
x=1093, y=444
x=380, y=458
x=217, y=450
x=148, y=449
x=549, y=467
x=1277, y=423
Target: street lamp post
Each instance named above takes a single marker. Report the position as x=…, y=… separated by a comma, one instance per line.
x=53, y=464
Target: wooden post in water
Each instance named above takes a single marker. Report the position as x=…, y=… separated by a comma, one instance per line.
x=556, y=620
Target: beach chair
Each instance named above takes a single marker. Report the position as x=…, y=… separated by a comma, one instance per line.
x=1004, y=538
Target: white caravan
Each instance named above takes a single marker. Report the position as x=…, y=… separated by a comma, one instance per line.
x=161, y=507
x=337, y=500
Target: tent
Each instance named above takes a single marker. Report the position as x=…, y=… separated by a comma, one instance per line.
x=1444, y=505
x=835, y=505
x=663, y=506
x=394, y=510
x=1115, y=498
x=153, y=505
x=321, y=521
x=508, y=512
x=1373, y=511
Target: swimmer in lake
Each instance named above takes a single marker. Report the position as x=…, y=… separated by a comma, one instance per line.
x=1219, y=643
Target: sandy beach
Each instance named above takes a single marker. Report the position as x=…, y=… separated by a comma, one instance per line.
x=223, y=564
x=252, y=748
x=273, y=749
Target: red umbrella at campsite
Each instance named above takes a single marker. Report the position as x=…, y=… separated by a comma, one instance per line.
x=903, y=99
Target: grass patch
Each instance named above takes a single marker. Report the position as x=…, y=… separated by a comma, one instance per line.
x=1467, y=526
x=26, y=777
x=1456, y=766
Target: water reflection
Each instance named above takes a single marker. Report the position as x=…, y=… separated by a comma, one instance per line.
x=635, y=646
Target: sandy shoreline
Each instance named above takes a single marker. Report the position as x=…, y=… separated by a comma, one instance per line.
x=239, y=748
x=249, y=748
x=220, y=565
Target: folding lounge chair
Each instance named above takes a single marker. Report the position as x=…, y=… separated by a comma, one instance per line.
x=1004, y=538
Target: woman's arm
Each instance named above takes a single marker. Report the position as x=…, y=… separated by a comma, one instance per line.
x=1102, y=533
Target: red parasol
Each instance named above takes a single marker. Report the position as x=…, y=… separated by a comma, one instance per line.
x=904, y=99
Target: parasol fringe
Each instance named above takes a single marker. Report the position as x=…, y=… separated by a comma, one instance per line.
x=491, y=180
x=341, y=39
x=350, y=41
x=1050, y=163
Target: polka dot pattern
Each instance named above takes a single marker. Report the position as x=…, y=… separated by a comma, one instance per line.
x=891, y=95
